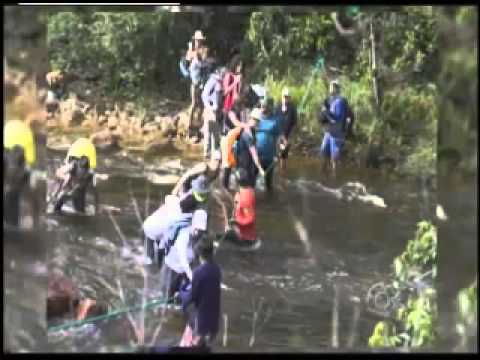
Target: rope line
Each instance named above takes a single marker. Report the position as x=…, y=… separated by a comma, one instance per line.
x=78, y=323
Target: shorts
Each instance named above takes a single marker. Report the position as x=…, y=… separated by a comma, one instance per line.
x=331, y=146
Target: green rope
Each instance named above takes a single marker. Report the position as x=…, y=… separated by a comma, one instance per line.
x=319, y=65
x=106, y=316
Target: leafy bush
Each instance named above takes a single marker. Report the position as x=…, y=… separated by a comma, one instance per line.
x=467, y=316
x=418, y=316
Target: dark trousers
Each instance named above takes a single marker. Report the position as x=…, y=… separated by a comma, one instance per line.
x=226, y=172
x=78, y=198
x=156, y=255
x=267, y=165
x=11, y=207
x=250, y=169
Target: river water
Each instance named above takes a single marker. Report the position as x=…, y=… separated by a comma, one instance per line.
x=303, y=291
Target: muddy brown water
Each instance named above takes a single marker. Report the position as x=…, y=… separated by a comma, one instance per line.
x=312, y=244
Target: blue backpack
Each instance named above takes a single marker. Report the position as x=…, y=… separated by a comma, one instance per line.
x=172, y=233
x=268, y=131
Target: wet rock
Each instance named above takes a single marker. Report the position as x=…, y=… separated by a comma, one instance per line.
x=62, y=296
x=182, y=120
x=162, y=179
x=72, y=112
x=168, y=124
x=64, y=299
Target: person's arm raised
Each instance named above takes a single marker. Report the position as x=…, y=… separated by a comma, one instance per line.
x=196, y=170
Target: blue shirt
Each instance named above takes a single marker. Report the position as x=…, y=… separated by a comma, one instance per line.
x=337, y=114
x=205, y=294
x=268, y=130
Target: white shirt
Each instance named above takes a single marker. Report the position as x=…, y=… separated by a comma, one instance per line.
x=156, y=224
x=180, y=255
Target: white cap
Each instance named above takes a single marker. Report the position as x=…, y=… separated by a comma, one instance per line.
x=199, y=220
x=285, y=92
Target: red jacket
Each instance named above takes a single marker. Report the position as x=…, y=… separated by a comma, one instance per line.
x=245, y=214
x=230, y=92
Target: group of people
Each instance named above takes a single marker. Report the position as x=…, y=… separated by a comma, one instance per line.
x=244, y=135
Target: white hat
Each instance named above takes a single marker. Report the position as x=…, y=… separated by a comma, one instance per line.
x=285, y=92
x=199, y=220
x=335, y=82
x=198, y=35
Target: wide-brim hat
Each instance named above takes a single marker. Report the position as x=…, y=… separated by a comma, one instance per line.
x=198, y=35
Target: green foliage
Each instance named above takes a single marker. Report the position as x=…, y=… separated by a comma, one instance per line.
x=420, y=254
x=418, y=316
x=276, y=39
x=467, y=316
x=127, y=51
x=459, y=100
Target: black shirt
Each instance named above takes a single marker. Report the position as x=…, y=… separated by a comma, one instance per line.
x=289, y=118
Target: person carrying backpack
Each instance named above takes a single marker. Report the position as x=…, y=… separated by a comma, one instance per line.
x=177, y=247
x=173, y=210
x=232, y=127
x=77, y=176
x=269, y=136
x=333, y=116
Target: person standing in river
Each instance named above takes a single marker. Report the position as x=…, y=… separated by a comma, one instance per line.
x=201, y=300
x=287, y=111
x=209, y=169
x=241, y=230
x=19, y=156
x=175, y=209
x=178, y=254
x=269, y=137
x=333, y=116
x=247, y=157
